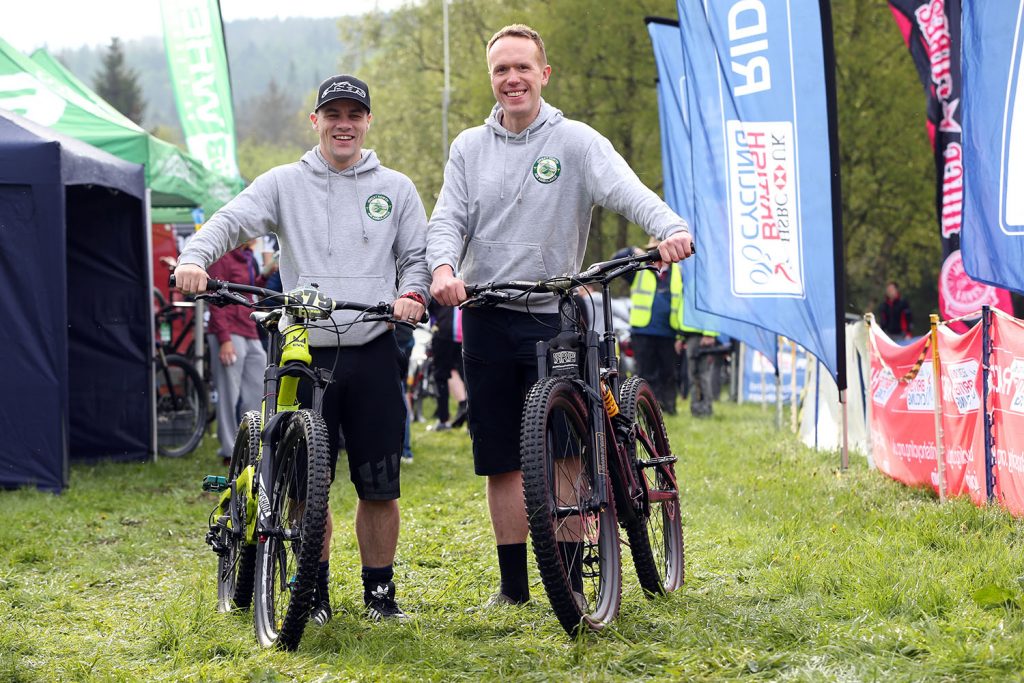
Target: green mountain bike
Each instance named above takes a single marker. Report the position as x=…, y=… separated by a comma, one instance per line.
x=269, y=523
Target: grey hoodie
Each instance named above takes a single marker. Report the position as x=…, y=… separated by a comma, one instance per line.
x=518, y=207
x=331, y=233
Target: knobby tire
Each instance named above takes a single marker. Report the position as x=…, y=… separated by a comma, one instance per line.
x=655, y=533
x=236, y=569
x=286, y=569
x=555, y=430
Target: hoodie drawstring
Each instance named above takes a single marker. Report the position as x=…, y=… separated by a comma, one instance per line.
x=504, y=165
x=519, y=198
x=362, y=220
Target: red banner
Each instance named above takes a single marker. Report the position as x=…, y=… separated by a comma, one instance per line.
x=963, y=426
x=903, y=410
x=1006, y=401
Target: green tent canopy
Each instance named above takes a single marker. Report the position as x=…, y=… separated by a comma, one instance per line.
x=43, y=91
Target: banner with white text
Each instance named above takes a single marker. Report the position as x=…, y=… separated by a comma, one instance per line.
x=902, y=396
x=761, y=105
x=963, y=426
x=196, y=55
x=1006, y=401
x=677, y=164
x=993, y=142
x=931, y=31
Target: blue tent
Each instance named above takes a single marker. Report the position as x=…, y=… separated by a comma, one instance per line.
x=76, y=331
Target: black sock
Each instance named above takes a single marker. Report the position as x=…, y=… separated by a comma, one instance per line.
x=323, y=573
x=512, y=564
x=572, y=557
x=377, y=576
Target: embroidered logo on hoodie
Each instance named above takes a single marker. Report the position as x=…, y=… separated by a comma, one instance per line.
x=378, y=207
x=547, y=169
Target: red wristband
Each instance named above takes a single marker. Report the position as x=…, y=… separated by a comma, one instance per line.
x=415, y=296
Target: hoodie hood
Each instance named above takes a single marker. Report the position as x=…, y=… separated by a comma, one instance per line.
x=547, y=116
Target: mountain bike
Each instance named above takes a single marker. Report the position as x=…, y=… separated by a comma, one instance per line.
x=268, y=527
x=182, y=398
x=594, y=455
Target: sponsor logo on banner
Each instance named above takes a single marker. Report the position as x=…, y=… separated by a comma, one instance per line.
x=920, y=393
x=962, y=386
x=1009, y=459
x=23, y=94
x=883, y=384
x=1012, y=167
x=960, y=295
x=765, y=234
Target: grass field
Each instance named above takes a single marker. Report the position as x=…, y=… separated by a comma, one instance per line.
x=794, y=572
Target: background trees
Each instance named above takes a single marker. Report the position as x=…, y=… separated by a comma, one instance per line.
x=118, y=84
x=603, y=74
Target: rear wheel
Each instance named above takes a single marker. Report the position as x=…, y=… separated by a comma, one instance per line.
x=575, y=542
x=181, y=405
x=656, y=532
x=236, y=566
x=288, y=553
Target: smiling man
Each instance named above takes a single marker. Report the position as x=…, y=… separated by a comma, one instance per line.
x=355, y=228
x=516, y=204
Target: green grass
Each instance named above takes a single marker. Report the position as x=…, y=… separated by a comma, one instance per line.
x=794, y=572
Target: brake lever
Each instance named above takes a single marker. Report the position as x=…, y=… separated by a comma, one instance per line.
x=223, y=297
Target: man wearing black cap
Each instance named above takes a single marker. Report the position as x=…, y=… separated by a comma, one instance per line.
x=355, y=228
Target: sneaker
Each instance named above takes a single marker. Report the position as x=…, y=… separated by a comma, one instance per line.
x=439, y=427
x=460, y=417
x=498, y=600
x=381, y=605
x=406, y=458
x=321, y=614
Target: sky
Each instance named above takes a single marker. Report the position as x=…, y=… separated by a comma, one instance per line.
x=62, y=24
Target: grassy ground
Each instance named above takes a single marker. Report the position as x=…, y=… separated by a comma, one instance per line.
x=794, y=572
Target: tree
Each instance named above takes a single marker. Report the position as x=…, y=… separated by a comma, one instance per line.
x=118, y=84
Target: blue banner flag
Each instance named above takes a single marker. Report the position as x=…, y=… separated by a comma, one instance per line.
x=678, y=173
x=761, y=106
x=992, y=237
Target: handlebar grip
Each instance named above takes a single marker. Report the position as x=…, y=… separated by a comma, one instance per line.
x=211, y=283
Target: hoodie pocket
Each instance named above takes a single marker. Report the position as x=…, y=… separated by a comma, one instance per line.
x=489, y=261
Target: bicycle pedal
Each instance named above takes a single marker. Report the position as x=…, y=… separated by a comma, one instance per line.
x=214, y=483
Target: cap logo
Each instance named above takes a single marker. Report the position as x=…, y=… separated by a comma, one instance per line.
x=343, y=86
x=547, y=169
x=378, y=207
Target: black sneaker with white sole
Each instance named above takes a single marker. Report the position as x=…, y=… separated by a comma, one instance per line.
x=381, y=605
x=321, y=613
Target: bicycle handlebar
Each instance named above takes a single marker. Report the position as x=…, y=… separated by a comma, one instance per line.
x=600, y=273
x=380, y=311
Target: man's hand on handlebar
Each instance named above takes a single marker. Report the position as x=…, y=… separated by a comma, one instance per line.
x=676, y=247
x=190, y=278
x=407, y=310
x=446, y=288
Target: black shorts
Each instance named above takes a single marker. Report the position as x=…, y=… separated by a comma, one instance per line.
x=499, y=348
x=366, y=402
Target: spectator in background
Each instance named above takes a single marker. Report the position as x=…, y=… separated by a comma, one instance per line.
x=446, y=345
x=238, y=359
x=894, y=314
x=654, y=319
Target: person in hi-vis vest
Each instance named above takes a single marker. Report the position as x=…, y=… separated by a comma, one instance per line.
x=658, y=333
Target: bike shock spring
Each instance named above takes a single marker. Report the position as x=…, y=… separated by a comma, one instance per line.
x=610, y=406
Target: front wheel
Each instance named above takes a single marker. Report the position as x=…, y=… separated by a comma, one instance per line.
x=655, y=532
x=288, y=552
x=575, y=539
x=181, y=405
x=236, y=565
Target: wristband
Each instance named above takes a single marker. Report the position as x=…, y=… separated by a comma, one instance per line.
x=415, y=296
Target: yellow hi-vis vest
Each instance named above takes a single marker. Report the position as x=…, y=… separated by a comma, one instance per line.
x=642, y=299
